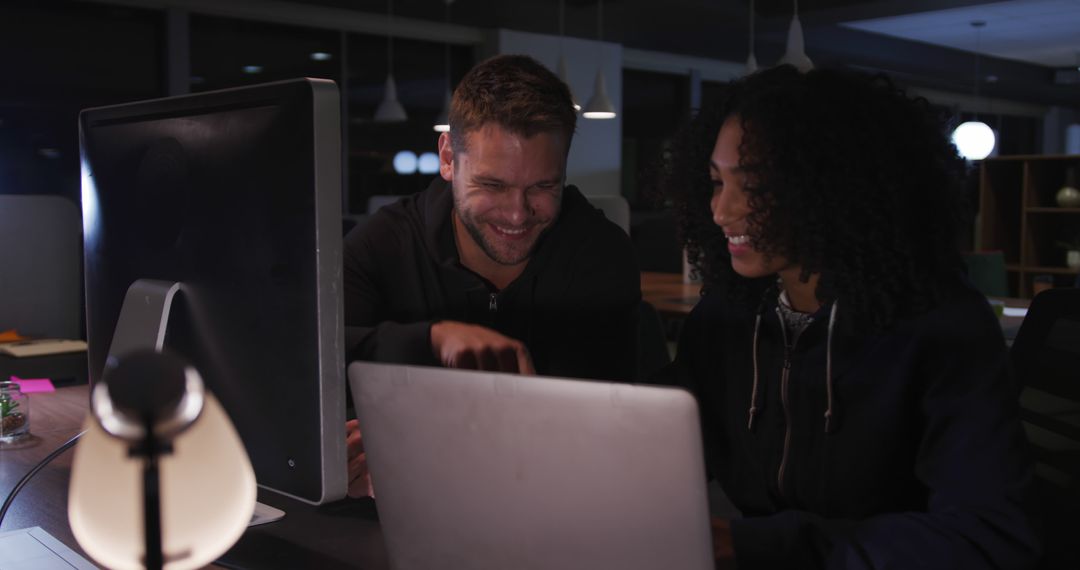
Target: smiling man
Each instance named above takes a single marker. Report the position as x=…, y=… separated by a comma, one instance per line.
x=497, y=265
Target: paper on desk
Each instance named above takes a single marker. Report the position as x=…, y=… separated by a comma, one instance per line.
x=32, y=385
x=1015, y=312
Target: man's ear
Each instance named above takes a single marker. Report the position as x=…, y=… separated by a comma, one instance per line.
x=446, y=158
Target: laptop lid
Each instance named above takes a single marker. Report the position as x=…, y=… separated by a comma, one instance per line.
x=483, y=470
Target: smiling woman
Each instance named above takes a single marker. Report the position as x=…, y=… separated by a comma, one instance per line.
x=842, y=362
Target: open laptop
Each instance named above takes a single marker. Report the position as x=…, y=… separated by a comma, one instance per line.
x=483, y=470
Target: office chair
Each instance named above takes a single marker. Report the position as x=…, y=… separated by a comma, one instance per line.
x=41, y=266
x=615, y=208
x=1046, y=357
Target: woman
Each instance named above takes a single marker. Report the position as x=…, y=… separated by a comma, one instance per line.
x=855, y=392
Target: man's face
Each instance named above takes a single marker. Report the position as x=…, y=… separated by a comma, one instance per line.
x=507, y=188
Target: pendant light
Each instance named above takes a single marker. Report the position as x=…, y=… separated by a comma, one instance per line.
x=560, y=67
x=390, y=109
x=975, y=139
x=751, y=60
x=442, y=121
x=599, y=105
x=796, y=48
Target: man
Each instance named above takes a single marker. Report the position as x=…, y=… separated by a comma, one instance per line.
x=496, y=265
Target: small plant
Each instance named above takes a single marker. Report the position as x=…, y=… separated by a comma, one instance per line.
x=11, y=419
x=7, y=406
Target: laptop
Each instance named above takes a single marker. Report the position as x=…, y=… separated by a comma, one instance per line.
x=478, y=470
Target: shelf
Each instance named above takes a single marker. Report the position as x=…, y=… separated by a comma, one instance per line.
x=1052, y=210
x=1019, y=216
x=1050, y=270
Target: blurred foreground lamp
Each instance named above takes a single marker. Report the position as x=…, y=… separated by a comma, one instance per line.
x=161, y=478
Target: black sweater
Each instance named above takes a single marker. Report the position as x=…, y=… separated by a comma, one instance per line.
x=574, y=306
x=924, y=464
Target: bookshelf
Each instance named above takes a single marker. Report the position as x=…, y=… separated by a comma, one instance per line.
x=1020, y=217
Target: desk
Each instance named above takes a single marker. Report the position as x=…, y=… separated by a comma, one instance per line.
x=668, y=294
x=68, y=367
x=342, y=535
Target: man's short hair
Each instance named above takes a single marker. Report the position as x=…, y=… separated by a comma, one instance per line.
x=515, y=92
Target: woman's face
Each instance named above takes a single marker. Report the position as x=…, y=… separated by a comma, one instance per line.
x=730, y=208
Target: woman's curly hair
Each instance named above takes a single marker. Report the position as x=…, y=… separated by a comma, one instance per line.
x=852, y=179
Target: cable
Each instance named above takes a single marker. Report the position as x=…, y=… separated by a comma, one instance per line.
x=26, y=478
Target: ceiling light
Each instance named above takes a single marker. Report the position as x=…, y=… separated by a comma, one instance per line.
x=442, y=120
x=599, y=105
x=561, y=70
x=390, y=109
x=560, y=67
x=252, y=69
x=751, y=60
x=975, y=140
x=320, y=56
x=796, y=47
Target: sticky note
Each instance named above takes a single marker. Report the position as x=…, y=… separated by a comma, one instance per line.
x=32, y=385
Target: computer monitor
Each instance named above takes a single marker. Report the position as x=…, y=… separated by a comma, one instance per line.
x=235, y=196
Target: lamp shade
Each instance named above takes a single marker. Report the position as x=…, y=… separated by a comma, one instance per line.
x=390, y=109
x=561, y=70
x=796, y=47
x=207, y=494
x=599, y=105
x=974, y=139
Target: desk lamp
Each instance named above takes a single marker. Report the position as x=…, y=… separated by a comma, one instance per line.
x=161, y=478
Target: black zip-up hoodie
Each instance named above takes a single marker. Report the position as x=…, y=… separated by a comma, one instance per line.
x=909, y=455
x=574, y=306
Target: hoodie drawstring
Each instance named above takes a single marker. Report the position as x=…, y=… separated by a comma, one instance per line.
x=752, y=412
x=828, y=369
x=754, y=393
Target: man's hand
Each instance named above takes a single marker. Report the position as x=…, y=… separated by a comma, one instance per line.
x=723, y=550
x=359, y=477
x=461, y=345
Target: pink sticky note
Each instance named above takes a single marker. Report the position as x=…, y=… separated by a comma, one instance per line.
x=32, y=385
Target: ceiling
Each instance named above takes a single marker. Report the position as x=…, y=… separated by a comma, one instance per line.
x=1042, y=32
x=924, y=43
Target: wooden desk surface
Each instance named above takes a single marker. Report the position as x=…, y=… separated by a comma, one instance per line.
x=55, y=417
x=345, y=534
x=668, y=294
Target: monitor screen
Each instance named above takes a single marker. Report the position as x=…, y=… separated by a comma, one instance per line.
x=236, y=196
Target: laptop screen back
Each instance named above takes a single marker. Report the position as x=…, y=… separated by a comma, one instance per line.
x=483, y=470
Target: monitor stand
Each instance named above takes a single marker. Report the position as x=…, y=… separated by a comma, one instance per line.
x=143, y=322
